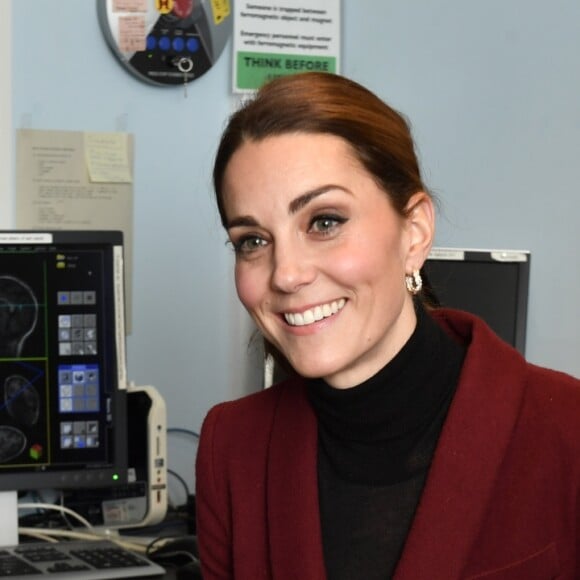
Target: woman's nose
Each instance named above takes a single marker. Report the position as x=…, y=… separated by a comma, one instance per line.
x=292, y=268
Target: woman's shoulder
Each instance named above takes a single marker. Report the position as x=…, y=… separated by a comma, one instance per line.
x=253, y=415
x=549, y=416
x=553, y=388
x=263, y=400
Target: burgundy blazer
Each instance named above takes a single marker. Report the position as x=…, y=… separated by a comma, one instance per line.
x=501, y=501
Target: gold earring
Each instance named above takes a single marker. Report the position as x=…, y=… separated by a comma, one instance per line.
x=414, y=282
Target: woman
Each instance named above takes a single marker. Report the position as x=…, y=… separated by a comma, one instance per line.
x=410, y=442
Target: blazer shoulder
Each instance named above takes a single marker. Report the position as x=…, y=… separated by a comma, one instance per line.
x=553, y=398
x=551, y=385
x=250, y=418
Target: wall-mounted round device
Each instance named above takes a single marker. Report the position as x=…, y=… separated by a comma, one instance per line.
x=166, y=42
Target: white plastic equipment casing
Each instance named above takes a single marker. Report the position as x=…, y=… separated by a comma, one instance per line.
x=120, y=513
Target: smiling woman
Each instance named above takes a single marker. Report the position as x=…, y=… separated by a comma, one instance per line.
x=319, y=235
x=394, y=449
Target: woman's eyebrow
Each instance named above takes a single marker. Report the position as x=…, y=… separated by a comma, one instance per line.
x=298, y=203
x=241, y=221
x=294, y=206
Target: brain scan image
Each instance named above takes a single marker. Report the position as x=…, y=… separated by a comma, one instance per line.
x=18, y=315
x=12, y=443
x=21, y=400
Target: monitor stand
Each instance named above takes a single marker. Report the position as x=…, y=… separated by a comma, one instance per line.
x=9, y=511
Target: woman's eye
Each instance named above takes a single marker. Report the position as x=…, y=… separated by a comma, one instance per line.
x=248, y=244
x=326, y=223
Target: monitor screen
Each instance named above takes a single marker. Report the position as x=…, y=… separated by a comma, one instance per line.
x=492, y=284
x=62, y=360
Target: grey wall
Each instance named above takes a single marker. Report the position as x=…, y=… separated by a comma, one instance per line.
x=492, y=89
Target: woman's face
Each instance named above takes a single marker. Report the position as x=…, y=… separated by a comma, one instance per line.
x=321, y=255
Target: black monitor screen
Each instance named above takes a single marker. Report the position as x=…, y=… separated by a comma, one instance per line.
x=62, y=367
x=490, y=283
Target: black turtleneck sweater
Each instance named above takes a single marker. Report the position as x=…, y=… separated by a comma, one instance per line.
x=375, y=445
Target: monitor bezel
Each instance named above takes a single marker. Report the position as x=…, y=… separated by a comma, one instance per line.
x=521, y=258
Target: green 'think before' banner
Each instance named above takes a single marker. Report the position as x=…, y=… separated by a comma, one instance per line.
x=256, y=68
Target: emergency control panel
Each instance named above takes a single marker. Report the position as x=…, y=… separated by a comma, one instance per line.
x=166, y=42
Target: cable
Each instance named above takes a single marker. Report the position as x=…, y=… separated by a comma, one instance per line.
x=181, y=480
x=91, y=534
x=191, y=433
x=172, y=554
x=161, y=548
x=60, y=508
x=50, y=535
x=184, y=431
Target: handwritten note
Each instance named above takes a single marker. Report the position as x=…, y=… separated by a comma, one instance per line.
x=107, y=157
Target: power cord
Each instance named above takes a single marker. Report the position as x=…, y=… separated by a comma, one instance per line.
x=52, y=535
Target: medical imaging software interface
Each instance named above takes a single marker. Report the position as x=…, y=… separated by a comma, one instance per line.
x=55, y=365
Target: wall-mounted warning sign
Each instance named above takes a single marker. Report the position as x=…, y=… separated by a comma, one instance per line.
x=282, y=37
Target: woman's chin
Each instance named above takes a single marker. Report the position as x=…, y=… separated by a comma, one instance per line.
x=314, y=369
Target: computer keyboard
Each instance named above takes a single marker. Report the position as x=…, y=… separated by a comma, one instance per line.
x=76, y=559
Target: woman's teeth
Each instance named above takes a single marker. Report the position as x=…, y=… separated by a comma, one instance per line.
x=314, y=314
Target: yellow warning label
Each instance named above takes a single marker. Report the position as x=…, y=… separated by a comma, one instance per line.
x=221, y=10
x=164, y=6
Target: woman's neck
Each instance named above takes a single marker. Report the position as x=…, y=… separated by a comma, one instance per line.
x=372, y=431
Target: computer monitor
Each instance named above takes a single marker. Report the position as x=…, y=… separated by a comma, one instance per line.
x=62, y=362
x=492, y=284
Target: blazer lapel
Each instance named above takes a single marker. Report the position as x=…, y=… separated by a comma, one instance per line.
x=292, y=491
x=469, y=453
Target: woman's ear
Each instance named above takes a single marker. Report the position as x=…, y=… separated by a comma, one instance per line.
x=421, y=226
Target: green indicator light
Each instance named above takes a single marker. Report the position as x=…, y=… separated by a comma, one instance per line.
x=115, y=477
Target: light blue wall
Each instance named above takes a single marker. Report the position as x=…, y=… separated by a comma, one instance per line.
x=493, y=92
